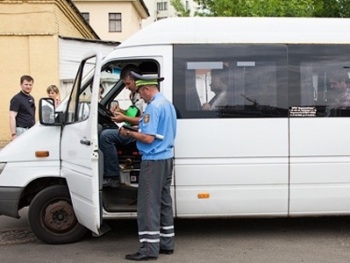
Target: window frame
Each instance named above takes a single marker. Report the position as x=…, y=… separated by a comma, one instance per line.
x=114, y=22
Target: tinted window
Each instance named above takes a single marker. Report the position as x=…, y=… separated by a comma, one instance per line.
x=230, y=81
x=223, y=81
x=319, y=78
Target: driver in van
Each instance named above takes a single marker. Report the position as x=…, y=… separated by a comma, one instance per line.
x=110, y=139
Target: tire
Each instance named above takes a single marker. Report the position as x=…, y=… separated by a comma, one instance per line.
x=52, y=219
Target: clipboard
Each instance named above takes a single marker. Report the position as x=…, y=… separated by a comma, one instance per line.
x=126, y=127
x=135, y=129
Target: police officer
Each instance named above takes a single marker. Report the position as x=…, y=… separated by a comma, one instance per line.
x=155, y=141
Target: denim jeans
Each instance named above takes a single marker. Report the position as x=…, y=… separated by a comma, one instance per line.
x=110, y=139
x=20, y=130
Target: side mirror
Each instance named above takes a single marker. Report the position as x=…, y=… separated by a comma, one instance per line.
x=47, y=111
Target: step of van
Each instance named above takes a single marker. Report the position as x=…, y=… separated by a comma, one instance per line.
x=121, y=199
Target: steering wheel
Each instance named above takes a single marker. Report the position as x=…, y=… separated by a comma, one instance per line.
x=104, y=117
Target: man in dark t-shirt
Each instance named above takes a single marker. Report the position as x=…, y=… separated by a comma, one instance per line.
x=22, y=108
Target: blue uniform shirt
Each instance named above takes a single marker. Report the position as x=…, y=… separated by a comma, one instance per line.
x=158, y=118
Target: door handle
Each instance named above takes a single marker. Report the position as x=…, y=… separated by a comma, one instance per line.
x=85, y=142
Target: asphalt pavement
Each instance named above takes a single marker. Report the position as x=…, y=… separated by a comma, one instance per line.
x=264, y=240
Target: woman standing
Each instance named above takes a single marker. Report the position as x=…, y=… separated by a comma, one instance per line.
x=54, y=93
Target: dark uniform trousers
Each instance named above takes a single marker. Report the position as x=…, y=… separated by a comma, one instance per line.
x=154, y=207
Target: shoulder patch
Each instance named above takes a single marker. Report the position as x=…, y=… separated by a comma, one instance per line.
x=146, y=118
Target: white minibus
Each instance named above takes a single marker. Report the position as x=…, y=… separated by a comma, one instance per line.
x=263, y=108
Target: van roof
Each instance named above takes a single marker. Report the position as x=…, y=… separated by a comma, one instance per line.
x=196, y=30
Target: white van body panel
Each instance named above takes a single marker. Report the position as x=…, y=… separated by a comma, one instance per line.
x=23, y=166
x=232, y=160
x=319, y=168
x=23, y=148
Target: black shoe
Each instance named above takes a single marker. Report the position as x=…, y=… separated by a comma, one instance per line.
x=111, y=182
x=166, y=251
x=139, y=257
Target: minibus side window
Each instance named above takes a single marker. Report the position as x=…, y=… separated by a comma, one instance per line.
x=228, y=81
x=263, y=80
x=319, y=78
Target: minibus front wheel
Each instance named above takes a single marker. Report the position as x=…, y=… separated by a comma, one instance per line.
x=52, y=218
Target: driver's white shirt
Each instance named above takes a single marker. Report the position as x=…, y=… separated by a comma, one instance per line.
x=138, y=102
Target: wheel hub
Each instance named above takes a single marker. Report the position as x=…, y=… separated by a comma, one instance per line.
x=59, y=216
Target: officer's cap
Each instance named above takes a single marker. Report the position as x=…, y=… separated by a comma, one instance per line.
x=147, y=79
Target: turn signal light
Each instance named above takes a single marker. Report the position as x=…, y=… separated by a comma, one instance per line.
x=203, y=195
x=41, y=154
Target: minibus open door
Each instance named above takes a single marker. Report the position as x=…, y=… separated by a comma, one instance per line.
x=79, y=144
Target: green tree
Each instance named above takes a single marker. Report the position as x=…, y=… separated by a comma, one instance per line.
x=255, y=7
x=290, y=8
x=332, y=8
x=180, y=8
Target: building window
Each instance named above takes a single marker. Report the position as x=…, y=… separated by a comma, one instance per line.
x=162, y=6
x=86, y=16
x=115, y=22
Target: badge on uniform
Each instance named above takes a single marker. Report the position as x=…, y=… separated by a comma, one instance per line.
x=146, y=118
